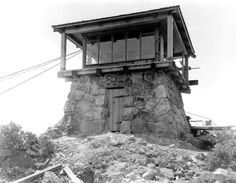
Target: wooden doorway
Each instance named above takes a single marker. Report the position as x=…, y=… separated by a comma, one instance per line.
x=115, y=107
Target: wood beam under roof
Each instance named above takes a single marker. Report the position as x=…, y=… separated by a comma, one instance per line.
x=170, y=37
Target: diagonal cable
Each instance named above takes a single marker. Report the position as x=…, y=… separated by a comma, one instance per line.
x=21, y=83
x=14, y=74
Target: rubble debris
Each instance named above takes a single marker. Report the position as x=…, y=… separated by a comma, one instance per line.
x=50, y=177
x=126, y=158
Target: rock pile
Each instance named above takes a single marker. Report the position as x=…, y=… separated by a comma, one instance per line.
x=117, y=158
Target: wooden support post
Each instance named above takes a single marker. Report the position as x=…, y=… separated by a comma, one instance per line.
x=63, y=51
x=112, y=47
x=126, y=46
x=186, y=68
x=98, y=50
x=140, y=45
x=162, y=49
x=84, y=52
x=156, y=43
x=170, y=37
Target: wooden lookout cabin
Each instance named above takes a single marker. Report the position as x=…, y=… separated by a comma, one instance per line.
x=130, y=80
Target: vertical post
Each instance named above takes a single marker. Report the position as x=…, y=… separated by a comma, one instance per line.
x=156, y=44
x=162, y=49
x=169, y=36
x=98, y=50
x=112, y=47
x=84, y=52
x=186, y=69
x=63, y=51
x=126, y=37
x=140, y=45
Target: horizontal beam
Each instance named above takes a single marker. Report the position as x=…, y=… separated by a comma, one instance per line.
x=193, y=82
x=211, y=127
x=109, y=69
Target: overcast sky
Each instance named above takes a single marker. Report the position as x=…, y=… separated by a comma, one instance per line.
x=27, y=39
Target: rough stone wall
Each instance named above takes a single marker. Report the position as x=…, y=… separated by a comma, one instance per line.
x=152, y=104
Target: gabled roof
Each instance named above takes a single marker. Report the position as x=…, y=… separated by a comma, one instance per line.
x=173, y=10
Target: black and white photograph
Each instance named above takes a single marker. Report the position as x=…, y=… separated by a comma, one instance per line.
x=117, y=91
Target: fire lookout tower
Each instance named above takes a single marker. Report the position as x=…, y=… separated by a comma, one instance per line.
x=130, y=80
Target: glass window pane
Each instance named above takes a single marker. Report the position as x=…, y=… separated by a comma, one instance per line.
x=148, y=46
x=105, y=50
x=92, y=53
x=119, y=48
x=133, y=47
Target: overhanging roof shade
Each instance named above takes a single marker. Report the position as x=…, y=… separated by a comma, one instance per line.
x=75, y=30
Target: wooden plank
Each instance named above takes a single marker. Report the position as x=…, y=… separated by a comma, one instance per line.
x=210, y=127
x=186, y=68
x=170, y=36
x=108, y=69
x=126, y=46
x=71, y=175
x=156, y=43
x=112, y=47
x=30, y=178
x=63, y=51
x=193, y=82
x=84, y=52
x=162, y=48
x=140, y=45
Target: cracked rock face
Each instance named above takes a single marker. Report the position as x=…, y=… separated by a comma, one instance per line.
x=151, y=103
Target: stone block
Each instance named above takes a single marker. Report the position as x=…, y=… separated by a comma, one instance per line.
x=128, y=101
x=129, y=113
x=150, y=104
x=84, y=79
x=161, y=91
x=79, y=94
x=138, y=125
x=100, y=100
x=166, y=172
x=83, y=106
x=149, y=175
x=69, y=106
x=163, y=107
x=125, y=127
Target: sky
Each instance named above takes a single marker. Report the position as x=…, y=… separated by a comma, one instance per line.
x=27, y=39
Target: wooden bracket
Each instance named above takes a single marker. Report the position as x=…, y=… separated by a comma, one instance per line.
x=193, y=82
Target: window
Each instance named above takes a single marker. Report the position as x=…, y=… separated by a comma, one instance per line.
x=148, y=46
x=119, y=48
x=105, y=49
x=92, y=51
x=133, y=46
